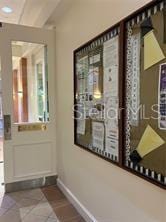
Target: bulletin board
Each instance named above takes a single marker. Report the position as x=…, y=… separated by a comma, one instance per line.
x=120, y=94
x=145, y=85
x=96, y=66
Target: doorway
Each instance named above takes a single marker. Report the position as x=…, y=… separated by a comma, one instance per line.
x=28, y=95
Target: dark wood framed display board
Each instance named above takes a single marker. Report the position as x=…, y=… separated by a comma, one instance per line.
x=120, y=94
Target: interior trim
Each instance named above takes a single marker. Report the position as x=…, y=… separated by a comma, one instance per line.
x=84, y=212
x=30, y=184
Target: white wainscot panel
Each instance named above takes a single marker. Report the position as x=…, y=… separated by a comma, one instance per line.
x=32, y=159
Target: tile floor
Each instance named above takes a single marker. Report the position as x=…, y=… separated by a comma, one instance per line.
x=39, y=205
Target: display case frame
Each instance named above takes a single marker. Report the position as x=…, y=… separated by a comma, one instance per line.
x=122, y=92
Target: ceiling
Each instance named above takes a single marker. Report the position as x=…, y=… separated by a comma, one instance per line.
x=28, y=12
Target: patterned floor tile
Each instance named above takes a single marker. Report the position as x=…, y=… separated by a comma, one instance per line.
x=12, y=216
x=2, y=211
x=38, y=205
x=34, y=218
x=25, y=205
x=42, y=209
x=6, y=202
x=66, y=212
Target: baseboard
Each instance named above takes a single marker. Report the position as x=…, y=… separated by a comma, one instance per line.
x=76, y=203
x=30, y=184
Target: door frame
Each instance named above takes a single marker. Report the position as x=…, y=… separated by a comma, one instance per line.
x=9, y=33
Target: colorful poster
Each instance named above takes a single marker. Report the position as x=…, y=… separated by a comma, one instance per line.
x=162, y=97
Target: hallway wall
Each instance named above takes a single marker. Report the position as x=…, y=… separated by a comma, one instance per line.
x=108, y=192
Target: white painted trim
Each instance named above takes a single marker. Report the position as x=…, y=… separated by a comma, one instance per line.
x=76, y=203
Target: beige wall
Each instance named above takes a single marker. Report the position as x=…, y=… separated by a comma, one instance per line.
x=109, y=193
